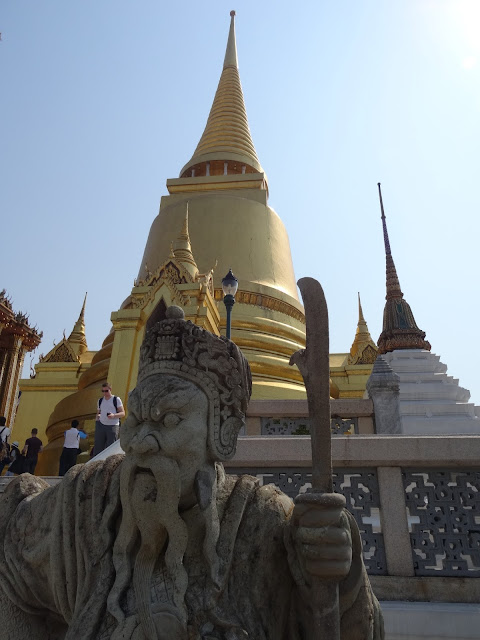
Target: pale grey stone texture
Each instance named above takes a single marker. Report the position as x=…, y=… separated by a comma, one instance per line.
x=383, y=387
x=160, y=543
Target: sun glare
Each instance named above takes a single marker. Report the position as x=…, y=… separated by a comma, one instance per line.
x=469, y=62
x=467, y=13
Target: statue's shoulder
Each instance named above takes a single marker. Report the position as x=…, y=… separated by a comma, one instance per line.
x=18, y=489
x=22, y=487
x=27, y=486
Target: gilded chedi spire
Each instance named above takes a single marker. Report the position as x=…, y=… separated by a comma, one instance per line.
x=400, y=330
x=226, y=145
x=77, y=338
x=182, y=249
x=363, y=350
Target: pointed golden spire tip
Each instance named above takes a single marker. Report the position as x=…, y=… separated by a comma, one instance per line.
x=77, y=337
x=182, y=249
x=361, y=318
x=82, y=312
x=231, y=59
x=226, y=138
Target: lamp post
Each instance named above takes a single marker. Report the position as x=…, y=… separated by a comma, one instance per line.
x=229, y=286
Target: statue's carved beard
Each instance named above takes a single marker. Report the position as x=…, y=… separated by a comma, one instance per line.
x=154, y=527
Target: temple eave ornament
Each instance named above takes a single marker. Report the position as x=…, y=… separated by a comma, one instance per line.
x=265, y=301
x=365, y=355
x=17, y=323
x=62, y=352
x=402, y=339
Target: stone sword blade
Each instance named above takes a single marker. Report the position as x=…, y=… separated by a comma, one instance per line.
x=313, y=362
x=314, y=365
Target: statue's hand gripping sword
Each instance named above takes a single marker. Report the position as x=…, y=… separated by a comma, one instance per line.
x=313, y=362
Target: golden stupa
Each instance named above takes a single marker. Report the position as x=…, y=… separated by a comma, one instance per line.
x=215, y=217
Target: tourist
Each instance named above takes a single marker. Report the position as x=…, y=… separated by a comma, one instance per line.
x=71, y=447
x=31, y=449
x=109, y=411
x=17, y=460
x=4, y=435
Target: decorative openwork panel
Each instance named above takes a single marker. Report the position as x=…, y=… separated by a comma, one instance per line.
x=301, y=426
x=444, y=516
x=360, y=488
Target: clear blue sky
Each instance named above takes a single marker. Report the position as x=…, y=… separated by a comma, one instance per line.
x=101, y=102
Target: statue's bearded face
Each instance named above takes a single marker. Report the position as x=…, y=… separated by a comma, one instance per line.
x=168, y=417
x=165, y=442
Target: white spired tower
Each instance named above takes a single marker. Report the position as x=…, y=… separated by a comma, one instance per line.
x=430, y=401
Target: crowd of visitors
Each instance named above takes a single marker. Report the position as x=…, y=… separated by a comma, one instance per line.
x=11, y=457
x=107, y=422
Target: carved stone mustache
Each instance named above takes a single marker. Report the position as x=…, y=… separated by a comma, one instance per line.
x=161, y=531
x=145, y=441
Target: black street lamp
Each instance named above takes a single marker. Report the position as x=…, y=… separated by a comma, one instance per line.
x=229, y=286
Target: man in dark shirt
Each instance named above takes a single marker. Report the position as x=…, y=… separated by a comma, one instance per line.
x=32, y=448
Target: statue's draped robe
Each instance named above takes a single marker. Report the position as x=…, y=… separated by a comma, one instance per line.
x=57, y=570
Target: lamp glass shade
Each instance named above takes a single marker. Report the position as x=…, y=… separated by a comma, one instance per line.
x=229, y=284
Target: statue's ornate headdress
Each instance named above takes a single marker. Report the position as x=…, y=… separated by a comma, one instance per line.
x=178, y=347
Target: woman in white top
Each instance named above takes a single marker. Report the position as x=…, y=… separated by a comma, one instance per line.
x=71, y=447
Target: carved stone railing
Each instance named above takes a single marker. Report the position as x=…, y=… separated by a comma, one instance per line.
x=360, y=488
x=301, y=426
x=416, y=501
x=444, y=517
x=290, y=417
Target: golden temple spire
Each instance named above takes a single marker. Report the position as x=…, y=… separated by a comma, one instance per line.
x=363, y=350
x=77, y=338
x=231, y=59
x=400, y=330
x=362, y=325
x=226, y=145
x=182, y=249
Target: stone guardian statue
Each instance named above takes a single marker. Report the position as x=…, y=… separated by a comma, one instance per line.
x=161, y=544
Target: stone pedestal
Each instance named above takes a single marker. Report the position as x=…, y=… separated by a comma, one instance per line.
x=431, y=402
x=383, y=388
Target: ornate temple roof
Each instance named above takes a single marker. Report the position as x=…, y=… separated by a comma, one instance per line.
x=61, y=352
x=400, y=330
x=363, y=350
x=226, y=137
x=16, y=323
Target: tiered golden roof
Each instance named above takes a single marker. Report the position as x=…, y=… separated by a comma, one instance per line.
x=227, y=137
